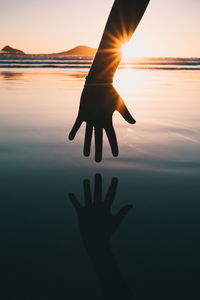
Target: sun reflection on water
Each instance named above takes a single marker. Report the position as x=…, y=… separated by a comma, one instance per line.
x=128, y=79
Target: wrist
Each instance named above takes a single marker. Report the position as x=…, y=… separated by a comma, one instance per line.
x=98, y=80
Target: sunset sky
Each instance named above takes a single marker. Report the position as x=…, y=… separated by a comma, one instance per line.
x=168, y=28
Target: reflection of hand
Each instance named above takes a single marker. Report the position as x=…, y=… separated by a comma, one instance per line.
x=95, y=219
x=98, y=102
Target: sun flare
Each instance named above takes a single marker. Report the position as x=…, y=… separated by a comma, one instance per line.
x=128, y=51
x=136, y=48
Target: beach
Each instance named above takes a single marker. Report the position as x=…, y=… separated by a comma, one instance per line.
x=158, y=169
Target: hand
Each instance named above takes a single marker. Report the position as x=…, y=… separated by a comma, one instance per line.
x=96, y=222
x=98, y=102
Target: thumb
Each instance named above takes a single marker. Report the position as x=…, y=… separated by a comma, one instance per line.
x=123, y=110
x=122, y=214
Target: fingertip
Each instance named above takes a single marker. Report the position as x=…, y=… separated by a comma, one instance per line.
x=86, y=181
x=131, y=121
x=70, y=136
x=98, y=159
x=115, y=179
x=115, y=152
x=98, y=176
x=86, y=153
x=114, y=148
x=127, y=208
x=75, y=128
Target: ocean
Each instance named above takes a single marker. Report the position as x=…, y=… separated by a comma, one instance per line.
x=156, y=247
x=40, y=61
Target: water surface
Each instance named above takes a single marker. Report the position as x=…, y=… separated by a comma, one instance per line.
x=157, y=245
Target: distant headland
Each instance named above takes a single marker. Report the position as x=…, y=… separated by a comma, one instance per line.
x=10, y=50
x=76, y=51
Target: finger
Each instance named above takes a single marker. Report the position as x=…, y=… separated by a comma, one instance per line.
x=111, y=192
x=75, y=128
x=110, y=132
x=126, y=114
x=87, y=192
x=98, y=143
x=121, y=214
x=75, y=202
x=88, y=138
x=97, y=189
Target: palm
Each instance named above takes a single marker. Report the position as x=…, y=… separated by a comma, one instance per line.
x=98, y=104
x=96, y=108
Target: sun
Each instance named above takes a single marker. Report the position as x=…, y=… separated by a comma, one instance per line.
x=136, y=48
x=128, y=51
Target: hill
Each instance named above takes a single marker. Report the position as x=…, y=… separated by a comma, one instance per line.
x=10, y=50
x=78, y=51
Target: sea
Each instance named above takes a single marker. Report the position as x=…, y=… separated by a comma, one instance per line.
x=153, y=252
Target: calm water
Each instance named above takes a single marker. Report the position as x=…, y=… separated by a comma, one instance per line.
x=157, y=245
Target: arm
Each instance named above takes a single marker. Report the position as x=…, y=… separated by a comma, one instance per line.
x=99, y=99
x=124, y=17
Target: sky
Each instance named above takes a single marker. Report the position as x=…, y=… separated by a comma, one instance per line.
x=168, y=28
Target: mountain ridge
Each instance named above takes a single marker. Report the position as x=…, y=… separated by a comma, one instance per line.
x=80, y=50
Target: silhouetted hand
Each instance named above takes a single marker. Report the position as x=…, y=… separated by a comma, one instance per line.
x=95, y=219
x=98, y=102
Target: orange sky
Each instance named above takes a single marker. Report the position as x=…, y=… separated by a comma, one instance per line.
x=168, y=28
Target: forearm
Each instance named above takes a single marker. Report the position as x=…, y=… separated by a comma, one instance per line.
x=124, y=17
x=111, y=280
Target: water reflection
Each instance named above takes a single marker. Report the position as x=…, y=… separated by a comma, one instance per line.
x=9, y=75
x=78, y=75
x=97, y=224
x=44, y=74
